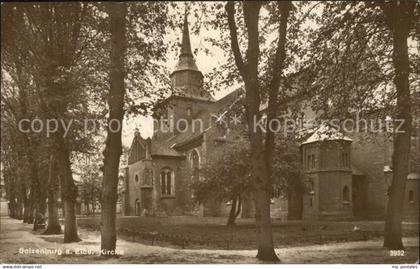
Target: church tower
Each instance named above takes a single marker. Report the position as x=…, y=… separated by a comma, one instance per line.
x=326, y=157
x=186, y=79
x=188, y=98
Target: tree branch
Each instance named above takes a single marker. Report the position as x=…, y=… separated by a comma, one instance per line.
x=230, y=9
x=278, y=63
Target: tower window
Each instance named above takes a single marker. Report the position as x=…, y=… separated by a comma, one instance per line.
x=189, y=112
x=411, y=196
x=345, y=161
x=167, y=182
x=346, y=194
x=195, y=164
x=136, y=179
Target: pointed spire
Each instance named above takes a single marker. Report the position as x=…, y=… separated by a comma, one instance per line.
x=186, y=79
x=186, y=58
x=186, y=43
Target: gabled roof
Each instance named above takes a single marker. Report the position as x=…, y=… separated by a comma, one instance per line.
x=161, y=148
x=326, y=133
x=137, y=149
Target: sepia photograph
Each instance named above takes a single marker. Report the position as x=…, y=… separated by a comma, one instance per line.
x=208, y=132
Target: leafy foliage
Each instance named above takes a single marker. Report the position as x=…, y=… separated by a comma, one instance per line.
x=227, y=174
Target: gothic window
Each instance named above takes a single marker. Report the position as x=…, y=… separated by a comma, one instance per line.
x=313, y=160
x=346, y=194
x=195, y=164
x=311, y=187
x=167, y=182
x=411, y=196
x=136, y=179
x=165, y=118
x=345, y=159
x=189, y=112
x=309, y=161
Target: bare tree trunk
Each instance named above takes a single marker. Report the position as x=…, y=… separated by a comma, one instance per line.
x=232, y=213
x=261, y=153
x=12, y=206
x=70, y=225
x=53, y=226
x=25, y=204
x=113, y=148
x=19, y=209
x=262, y=197
x=399, y=17
x=39, y=198
x=29, y=209
x=235, y=210
x=68, y=191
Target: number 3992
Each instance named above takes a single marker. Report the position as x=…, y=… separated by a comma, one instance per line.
x=396, y=253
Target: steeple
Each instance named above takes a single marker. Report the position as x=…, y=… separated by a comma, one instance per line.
x=186, y=79
x=186, y=58
x=186, y=43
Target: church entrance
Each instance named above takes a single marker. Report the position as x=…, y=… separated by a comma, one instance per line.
x=359, y=195
x=137, y=207
x=146, y=199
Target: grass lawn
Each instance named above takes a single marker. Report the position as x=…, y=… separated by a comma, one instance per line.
x=212, y=233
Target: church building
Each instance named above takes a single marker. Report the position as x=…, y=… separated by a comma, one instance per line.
x=346, y=176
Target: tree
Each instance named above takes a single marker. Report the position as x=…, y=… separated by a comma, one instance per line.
x=53, y=225
x=90, y=183
x=225, y=177
x=48, y=37
x=261, y=148
x=400, y=20
x=113, y=148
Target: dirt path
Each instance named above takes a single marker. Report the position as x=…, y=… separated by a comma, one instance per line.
x=16, y=235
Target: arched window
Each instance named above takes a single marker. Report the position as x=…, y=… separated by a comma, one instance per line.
x=167, y=182
x=411, y=196
x=195, y=164
x=346, y=194
x=189, y=112
x=136, y=179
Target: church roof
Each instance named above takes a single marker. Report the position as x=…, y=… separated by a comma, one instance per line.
x=326, y=133
x=161, y=148
x=413, y=176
